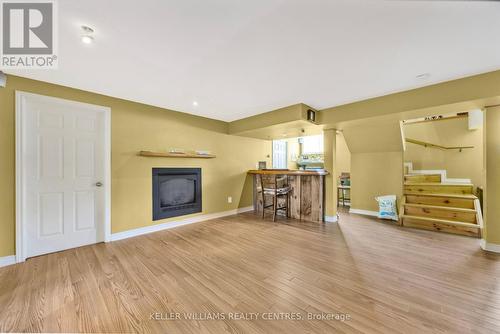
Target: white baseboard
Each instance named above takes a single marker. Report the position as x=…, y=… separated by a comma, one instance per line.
x=489, y=246
x=7, y=260
x=331, y=219
x=175, y=223
x=364, y=212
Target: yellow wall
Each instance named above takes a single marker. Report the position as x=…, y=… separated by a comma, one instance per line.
x=492, y=190
x=138, y=127
x=374, y=135
x=375, y=174
x=422, y=157
x=343, y=155
x=376, y=150
x=467, y=164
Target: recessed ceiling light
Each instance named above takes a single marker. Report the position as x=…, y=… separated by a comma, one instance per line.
x=423, y=76
x=87, y=36
x=195, y=104
x=87, y=39
x=87, y=30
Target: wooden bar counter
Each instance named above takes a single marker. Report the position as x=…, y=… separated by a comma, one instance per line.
x=307, y=195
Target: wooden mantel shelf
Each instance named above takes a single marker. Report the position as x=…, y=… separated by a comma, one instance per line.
x=175, y=155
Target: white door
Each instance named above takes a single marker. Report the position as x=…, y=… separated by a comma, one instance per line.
x=280, y=154
x=63, y=173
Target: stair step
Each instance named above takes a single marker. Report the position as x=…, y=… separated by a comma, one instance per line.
x=464, y=196
x=441, y=207
x=419, y=178
x=449, y=200
x=441, y=212
x=442, y=225
x=437, y=188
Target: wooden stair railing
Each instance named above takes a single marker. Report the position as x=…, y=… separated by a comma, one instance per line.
x=426, y=144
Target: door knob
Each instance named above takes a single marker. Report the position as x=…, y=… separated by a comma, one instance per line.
x=98, y=184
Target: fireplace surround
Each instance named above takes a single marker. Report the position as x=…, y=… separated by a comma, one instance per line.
x=176, y=192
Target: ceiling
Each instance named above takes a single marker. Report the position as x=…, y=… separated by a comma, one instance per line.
x=239, y=58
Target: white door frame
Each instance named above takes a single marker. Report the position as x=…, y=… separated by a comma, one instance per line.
x=20, y=223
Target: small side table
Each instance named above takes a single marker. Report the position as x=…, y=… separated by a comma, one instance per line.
x=342, y=190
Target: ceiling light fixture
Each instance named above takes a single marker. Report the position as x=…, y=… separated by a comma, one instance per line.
x=195, y=104
x=87, y=39
x=87, y=36
x=423, y=76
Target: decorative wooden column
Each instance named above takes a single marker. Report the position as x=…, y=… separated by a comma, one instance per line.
x=330, y=157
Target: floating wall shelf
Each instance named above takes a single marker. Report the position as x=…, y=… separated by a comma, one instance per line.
x=175, y=155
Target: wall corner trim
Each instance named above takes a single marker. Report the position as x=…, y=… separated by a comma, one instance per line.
x=331, y=219
x=489, y=246
x=171, y=224
x=364, y=212
x=7, y=260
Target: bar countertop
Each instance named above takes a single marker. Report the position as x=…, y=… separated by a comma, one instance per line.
x=287, y=172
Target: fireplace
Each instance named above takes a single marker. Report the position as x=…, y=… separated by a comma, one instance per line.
x=176, y=192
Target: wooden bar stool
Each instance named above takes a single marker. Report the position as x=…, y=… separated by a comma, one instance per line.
x=276, y=187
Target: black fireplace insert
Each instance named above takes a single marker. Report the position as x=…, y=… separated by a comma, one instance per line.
x=176, y=192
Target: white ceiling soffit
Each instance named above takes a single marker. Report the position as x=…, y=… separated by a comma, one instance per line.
x=241, y=58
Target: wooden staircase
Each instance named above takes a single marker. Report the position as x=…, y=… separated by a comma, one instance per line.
x=433, y=205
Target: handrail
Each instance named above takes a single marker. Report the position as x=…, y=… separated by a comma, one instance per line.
x=425, y=144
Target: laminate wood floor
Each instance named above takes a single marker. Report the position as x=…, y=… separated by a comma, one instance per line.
x=236, y=274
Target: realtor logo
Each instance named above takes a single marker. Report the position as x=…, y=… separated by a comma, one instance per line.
x=28, y=34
